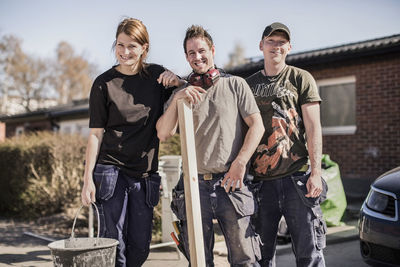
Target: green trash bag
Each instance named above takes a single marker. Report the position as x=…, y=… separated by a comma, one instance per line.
x=335, y=204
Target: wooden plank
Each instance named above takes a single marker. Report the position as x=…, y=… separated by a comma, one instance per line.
x=192, y=196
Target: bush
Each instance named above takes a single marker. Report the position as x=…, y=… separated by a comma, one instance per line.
x=171, y=147
x=40, y=174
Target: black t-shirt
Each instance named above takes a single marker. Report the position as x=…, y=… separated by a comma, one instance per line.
x=128, y=107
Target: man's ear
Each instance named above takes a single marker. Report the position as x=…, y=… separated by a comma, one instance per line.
x=290, y=48
x=261, y=44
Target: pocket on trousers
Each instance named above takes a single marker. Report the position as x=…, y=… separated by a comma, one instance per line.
x=105, y=178
x=178, y=204
x=256, y=241
x=243, y=201
x=300, y=183
x=320, y=229
x=153, y=189
x=255, y=187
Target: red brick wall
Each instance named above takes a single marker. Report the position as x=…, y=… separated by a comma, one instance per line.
x=2, y=131
x=375, y=147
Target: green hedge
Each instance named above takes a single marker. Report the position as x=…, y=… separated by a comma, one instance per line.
x=40, y=174
x=171, y=147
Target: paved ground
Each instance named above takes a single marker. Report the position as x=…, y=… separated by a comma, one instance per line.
x=340, y=254
x=19, y=249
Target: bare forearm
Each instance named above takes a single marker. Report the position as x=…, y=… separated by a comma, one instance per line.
x=92, y=150
x=167, y=124
x=314, y=146
x=312, y=124
x=237, y=169
x=252, y=138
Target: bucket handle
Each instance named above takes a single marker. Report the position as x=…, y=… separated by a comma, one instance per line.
x=76, y=216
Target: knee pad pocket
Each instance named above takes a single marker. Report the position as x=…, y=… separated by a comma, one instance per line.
x=320, y=230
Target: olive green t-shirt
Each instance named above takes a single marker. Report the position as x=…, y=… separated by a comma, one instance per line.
x=282, y=149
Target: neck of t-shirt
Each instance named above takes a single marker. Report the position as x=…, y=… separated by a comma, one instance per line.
x=127, y=70
x=273, y=70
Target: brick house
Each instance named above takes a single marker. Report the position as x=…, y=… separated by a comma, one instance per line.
x=360, y=113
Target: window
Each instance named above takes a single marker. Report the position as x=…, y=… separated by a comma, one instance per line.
x=19, y=130
x=75, y=126
x=67, y=130
x=338, y=108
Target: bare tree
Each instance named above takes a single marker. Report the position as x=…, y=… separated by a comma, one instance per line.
x=31, y=81
x=73, y=74
x=21, y=76
x=237, y=57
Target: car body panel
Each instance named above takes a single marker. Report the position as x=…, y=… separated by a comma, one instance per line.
x=389, y=181
x=379, y=232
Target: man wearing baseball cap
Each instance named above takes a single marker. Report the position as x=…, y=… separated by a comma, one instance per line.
x=287, y=162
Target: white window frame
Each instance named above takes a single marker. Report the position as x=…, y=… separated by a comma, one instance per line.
x=338, y=130
x=80, y=126
x=19, y=130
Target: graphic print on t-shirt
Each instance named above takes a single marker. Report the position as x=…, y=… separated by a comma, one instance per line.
x=284, y=125
x=273, y=89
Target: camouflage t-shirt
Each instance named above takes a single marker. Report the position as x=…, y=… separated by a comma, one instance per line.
x=282, y=149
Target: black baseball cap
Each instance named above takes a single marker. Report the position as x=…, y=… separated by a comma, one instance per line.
x=276, y=26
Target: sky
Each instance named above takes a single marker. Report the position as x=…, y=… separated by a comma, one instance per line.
x=90, y=25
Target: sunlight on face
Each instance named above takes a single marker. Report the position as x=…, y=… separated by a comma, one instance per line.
x=199, y=55
x=275, y=47
x=128, y=51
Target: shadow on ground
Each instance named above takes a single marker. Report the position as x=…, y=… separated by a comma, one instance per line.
x=30, y=256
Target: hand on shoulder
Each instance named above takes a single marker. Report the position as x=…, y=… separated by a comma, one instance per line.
x=169, y=79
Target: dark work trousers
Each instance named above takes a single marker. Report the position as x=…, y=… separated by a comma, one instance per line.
x=279, y=198
x=124, y=213
x=232, y=212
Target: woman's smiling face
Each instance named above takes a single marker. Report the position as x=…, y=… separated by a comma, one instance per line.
x=128, y=51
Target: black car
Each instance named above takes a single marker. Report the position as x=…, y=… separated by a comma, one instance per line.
x=379, y=224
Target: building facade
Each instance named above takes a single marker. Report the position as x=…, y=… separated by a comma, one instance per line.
x=72, y=118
